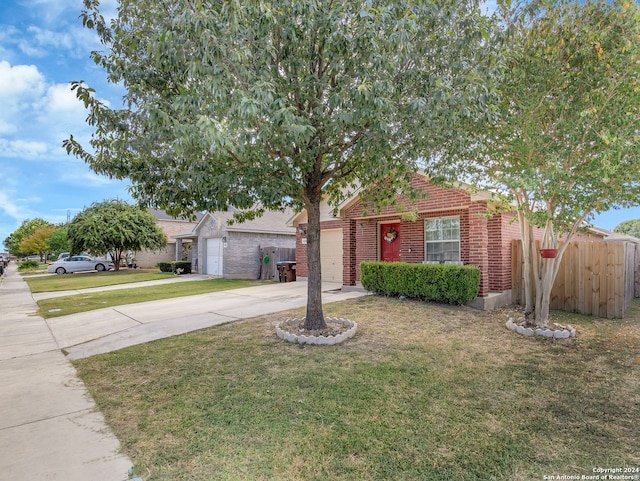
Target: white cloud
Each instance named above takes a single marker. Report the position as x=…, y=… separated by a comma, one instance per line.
x=8, y=205
x=19, y=82
x=20, y=86
x=60, y=100
x=86, y=178
x=22, y=149
x=49, y=38
x=52, y=11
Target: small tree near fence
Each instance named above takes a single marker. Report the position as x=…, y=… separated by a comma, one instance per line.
x=567, y=143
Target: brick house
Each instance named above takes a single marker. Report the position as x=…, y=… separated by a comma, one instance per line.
x=453, y=225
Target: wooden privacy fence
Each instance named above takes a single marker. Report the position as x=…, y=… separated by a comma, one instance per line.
x=270, y=256
x=595, y=277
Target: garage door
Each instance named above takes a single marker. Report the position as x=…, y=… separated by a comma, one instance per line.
x=214, y=257
x=331, y=255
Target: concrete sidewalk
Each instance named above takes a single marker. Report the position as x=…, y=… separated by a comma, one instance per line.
x=50, y=428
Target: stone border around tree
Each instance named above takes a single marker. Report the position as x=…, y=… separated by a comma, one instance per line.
x=317, y=340
x=565, y=332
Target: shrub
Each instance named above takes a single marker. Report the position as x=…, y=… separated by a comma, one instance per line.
x=184, y=265
x=174, y=266
x=165, y=266
x=28, y=265
x=449, y=284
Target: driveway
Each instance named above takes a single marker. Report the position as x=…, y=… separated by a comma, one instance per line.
x=104, y=330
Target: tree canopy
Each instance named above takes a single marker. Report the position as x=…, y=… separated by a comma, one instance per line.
x=58, y=241
x=263, y=105
x=629, y=227
x=26, y=229
x=566, y=143
x=38, y=242
x=114, y=227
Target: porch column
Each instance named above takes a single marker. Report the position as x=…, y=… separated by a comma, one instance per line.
x=178, y=249
x=479, y=243
x=349, y=253
x=195, y=267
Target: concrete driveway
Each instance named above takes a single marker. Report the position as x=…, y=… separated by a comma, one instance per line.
x=104, y=330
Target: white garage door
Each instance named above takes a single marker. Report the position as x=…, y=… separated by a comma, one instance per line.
x=331, y=255
x=214, y=257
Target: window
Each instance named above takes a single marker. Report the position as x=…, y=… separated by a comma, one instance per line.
x=442, y=240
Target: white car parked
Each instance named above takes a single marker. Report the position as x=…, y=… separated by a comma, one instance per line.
x=79, y=264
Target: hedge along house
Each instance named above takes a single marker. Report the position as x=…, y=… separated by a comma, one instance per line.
x=233, y=250
x=450, y=225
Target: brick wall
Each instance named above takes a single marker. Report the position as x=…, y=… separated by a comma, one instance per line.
x=484, y=241
x=301, y=249
x=147, y=258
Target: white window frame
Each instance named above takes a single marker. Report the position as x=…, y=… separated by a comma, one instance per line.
x=441, y=241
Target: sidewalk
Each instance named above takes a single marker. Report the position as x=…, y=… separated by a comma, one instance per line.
x=50, y=428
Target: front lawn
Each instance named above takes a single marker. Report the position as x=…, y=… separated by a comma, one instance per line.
x=423, y=392
x=84, y=280
x=62, y=306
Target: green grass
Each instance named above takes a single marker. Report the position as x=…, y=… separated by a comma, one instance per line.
x=62, y=306
x=423, y=392
x=69, y=282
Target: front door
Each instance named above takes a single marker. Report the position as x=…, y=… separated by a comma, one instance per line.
x=390, y=242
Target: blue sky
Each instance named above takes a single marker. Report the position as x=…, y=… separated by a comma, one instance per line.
x=43, y=47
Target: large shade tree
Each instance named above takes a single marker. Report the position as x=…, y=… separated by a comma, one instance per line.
x=567, y=142
x=266, y=105
x=114, y=227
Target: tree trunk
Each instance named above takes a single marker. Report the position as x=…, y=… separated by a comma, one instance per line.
x=315, y=316
x=115, y=257
x=547, y=276
x=528, y=247
x=544, y=285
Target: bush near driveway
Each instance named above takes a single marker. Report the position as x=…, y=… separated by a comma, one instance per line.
x=422, y=392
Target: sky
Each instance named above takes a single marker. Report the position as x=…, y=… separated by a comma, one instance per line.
x=43, y=47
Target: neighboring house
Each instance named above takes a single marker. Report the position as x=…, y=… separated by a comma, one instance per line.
x=171, y=226
x=452, y=226
x=234, y=251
